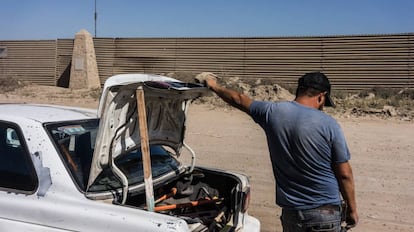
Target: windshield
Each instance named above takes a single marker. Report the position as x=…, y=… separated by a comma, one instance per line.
x=75, y=141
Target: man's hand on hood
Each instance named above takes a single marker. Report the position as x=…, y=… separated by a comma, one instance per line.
x=206, y=78
x=234, y=98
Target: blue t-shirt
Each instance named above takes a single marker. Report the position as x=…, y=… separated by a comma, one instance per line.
x=303, y=143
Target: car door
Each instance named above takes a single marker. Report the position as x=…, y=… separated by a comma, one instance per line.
x=18, y=181
x=31, y=202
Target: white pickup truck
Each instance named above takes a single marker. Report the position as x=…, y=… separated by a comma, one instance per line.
x=73, y=169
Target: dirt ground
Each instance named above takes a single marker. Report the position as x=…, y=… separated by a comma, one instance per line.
x=382, y=161
x=382, y=157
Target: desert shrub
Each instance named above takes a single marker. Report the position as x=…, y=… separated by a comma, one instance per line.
x=406, y=94
x=364, y=93
x=8, y=84
x=385, y=93
x=341, y=94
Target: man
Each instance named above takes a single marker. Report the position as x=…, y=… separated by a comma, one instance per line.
x=308, y=152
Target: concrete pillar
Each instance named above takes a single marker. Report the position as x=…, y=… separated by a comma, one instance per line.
x=84, y=70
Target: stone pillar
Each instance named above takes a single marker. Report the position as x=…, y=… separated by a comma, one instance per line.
x=84, y=70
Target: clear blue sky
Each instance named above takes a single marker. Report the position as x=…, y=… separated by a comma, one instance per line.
x=53, y=19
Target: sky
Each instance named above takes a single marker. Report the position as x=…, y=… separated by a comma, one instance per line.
x=62, y=19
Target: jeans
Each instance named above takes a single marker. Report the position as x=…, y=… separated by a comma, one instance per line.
x=322, y=219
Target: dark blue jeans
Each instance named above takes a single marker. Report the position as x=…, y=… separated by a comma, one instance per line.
x=325, y=218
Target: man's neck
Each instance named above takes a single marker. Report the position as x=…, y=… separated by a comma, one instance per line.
x=311, y=102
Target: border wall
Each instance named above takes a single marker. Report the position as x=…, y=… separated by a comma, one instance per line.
x=351, y=62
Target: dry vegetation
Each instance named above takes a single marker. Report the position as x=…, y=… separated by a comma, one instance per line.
x=387, y=103
x=381, y=146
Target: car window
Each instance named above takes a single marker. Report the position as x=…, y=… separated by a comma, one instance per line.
x=16, y=168
x=76, y=141
x=162, y=162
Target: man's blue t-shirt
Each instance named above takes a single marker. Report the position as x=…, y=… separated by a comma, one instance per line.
x=303, y=143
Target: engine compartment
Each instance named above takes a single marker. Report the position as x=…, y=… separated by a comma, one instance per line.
x=205, y=199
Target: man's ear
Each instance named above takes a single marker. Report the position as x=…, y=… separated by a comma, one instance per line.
x=321, y=98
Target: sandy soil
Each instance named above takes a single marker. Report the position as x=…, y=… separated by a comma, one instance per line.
x=382, y=158
x=382, y=161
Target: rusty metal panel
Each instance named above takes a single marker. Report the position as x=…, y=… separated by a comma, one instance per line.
x=224, y=56
x=105, y=54
x=29, y=60
x=358, y=62
x=64, y=50
x=144, y=55
x=351, y=62
x=282, y=60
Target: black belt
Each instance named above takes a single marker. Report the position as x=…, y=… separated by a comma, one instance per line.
x=323, y=207
x=329, y=207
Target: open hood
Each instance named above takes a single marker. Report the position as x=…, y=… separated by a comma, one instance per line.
x=166, y=102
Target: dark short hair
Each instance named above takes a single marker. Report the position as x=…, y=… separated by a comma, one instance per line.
x=314, y=83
